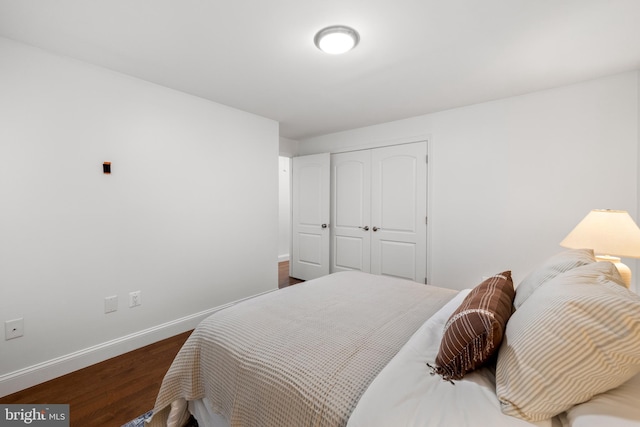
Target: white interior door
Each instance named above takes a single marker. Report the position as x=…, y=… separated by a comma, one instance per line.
x=398, y=211
x=350, y=211
x=310, y=204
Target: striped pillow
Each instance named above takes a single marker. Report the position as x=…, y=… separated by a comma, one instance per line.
x=576, y=336
x=474, y=331
x=557, y=264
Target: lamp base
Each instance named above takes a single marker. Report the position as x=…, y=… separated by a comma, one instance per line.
x=625, y=272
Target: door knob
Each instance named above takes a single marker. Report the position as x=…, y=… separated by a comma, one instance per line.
x=365, y=228
x=375, y=229
x=324, y=225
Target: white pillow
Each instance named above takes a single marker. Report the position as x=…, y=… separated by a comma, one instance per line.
x=576, y=336
x=619, y=407
x=557, y=264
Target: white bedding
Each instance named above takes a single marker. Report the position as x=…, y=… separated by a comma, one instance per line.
x=405, y=394
x=619, y=407
x=300, y=356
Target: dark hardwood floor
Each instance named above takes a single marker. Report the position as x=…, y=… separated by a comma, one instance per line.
x=109, y=393
x=117, y=390
x=283, y=276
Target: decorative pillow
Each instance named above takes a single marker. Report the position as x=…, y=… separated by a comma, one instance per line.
x=474, y=331
x=557, y=264
x=576, y=336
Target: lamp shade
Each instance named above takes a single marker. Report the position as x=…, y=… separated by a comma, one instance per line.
x=607, y=232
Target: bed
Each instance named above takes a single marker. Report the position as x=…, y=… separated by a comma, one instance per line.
x=359, y=350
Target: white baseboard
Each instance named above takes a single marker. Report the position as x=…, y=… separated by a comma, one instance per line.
x=50, y=369
x=284, y=257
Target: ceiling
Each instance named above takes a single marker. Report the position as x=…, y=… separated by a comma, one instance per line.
x=414, y=57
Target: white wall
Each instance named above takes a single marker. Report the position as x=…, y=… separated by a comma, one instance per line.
x=284, y=215
x=288, y=147
x=187, y=216
x=509, y=179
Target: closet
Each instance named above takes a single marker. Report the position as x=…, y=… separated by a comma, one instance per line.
x=379, y=211
x=361, y=210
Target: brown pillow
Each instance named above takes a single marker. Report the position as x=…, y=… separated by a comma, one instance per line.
x=474, y=331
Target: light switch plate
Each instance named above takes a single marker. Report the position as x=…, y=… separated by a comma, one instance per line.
x=135, y=298
x=111, y=304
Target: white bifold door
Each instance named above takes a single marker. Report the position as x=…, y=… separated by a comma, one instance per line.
x=379, y=211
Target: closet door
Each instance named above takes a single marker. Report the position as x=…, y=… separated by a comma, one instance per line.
x=398, y=211
x=350, y=211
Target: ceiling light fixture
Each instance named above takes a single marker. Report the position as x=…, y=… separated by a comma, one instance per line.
x=336, y=39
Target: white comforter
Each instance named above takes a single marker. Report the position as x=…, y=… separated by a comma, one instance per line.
x=302, y=356
x=405, y=394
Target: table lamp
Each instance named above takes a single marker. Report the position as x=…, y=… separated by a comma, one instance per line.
x=611, y=234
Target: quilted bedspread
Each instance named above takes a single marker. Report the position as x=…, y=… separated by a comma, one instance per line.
x=300, y=356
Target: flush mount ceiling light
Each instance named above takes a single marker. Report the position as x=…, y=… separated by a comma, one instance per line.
x=336, y=39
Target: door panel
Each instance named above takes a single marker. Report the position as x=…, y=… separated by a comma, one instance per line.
x=397, y=259
x=348, y=254
x=310, y=210
x=310, y=249
x=350, y=211
x=398, y=211
x=396, y=192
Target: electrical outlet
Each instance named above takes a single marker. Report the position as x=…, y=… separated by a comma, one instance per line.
x=111, y=304
x=135, y=299
x=13, y=329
